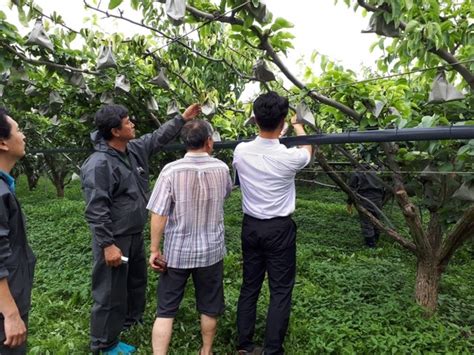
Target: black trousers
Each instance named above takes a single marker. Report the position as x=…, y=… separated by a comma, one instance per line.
x=118, y=292
x=267, y=246
x=368, y=229
x=19, y=350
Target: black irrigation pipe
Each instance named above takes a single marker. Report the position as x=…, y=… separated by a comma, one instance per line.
x=385, y=135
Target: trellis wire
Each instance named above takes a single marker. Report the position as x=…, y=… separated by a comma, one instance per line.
x=387, y=135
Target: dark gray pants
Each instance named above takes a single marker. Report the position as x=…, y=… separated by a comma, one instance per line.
x=268, y=246
x=20, y=350
x=369, y=231
x=118, y=292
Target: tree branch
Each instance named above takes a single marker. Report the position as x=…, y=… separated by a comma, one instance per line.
x=241, y=75
x=45, y=62
x=356, y=198
x=121, y=17
x=318, y=97
x=366, y=6
x=441, y=53
x=198, y=53
x=31, y=6
x=409, y=210
x=153, y=118
x=462, y=231
x=193, y=89
x=265, y=44
x=451, y=59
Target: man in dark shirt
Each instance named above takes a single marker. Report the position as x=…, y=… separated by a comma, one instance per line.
x=17, y=261
x=115, y=185
x=368, y=185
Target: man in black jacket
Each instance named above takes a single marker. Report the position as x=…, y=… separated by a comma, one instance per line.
x=368, y=185
x=17, y=261
x=115, y=185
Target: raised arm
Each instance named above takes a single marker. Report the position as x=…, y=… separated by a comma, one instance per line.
x=299, y=130
x=151, y=143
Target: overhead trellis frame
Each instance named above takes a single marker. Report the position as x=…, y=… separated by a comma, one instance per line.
x=385, y=135
x=316, y=95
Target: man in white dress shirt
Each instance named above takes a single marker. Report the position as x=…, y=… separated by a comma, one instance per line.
x=266, y=170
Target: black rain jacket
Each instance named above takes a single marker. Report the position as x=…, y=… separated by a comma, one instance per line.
x=367, y=184
x=115, y=185
x=17, y=261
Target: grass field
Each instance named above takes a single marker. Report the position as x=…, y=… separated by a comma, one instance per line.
x=347, y=299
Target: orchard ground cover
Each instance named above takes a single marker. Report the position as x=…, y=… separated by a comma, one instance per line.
x=347, y=299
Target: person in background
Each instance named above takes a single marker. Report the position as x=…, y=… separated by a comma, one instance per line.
x=115, y=186
x=266, y=171
x=368, y=185
x=187, y=207
x=17, y=261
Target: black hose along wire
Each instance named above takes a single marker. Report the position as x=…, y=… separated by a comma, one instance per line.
x=385, y=135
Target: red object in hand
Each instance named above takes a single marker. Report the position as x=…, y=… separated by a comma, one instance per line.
x=160, y=263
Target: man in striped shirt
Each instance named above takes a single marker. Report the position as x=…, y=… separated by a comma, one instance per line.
x=187, y=206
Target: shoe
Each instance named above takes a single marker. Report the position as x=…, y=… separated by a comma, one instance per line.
x=370, y=242
x=126, y=348
x=116, y=350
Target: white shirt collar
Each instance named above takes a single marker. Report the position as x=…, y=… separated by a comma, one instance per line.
x=267, y=141
x=196, y=154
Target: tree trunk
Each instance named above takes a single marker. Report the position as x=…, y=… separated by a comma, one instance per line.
x=59, y=188
x=32, y=181
x=428, y=275
x=56, y=174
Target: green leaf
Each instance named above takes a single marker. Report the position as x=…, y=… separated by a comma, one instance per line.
x=135, y=4
x=281, y=23
x=428, y=121
x=434, y=146
x=464, y=149
x=446, y=167
x=114, y=3
x=411, y=25
x=248, y=21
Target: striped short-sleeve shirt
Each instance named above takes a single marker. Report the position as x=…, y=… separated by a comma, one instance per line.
x=191, y=192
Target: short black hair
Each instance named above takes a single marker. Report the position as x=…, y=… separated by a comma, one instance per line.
x=270, y=110
x=5, y=126
x=109, y=117
x=195, y=133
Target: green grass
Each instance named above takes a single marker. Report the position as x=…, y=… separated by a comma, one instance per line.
x=347, y=299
